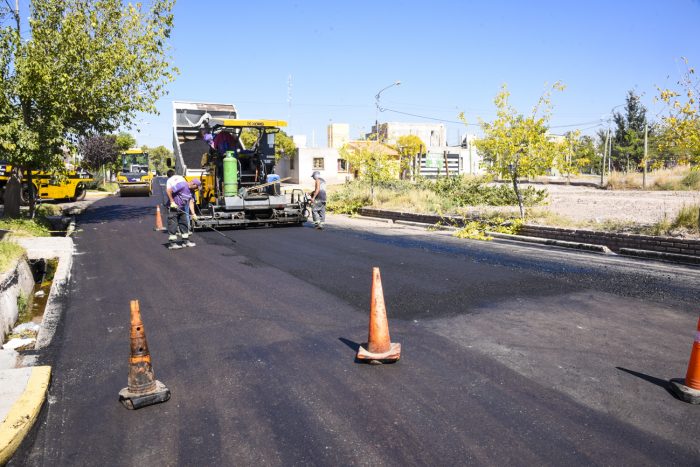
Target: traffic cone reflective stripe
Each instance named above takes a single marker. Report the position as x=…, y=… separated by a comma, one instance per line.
x=379, y=346
x=159, y=220
x=692, y=377
x=142, y=387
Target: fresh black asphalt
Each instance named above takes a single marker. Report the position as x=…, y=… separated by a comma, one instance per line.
x=256, y=340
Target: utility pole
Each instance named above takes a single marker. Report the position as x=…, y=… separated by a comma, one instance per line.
x=610, y=158
x=646, y=153
x=605, y=150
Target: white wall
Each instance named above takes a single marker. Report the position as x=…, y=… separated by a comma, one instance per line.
x=303, y=166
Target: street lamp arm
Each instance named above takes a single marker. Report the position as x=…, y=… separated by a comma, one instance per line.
x=379, y=93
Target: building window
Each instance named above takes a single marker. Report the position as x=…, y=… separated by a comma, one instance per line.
x=342, y=165
x=291, y=163
x=318, y=163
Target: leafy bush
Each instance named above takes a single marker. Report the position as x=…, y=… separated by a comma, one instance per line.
x=478, y=229
x=687, y=218
x=475, y=191
x=691, y=181
x=26, y=227
x=44, y=210
x=349, y=198
x=443, y=195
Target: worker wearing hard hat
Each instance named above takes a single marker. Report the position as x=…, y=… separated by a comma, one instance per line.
x=318, y=200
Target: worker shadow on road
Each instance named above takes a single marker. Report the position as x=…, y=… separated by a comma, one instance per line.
x=662, y=383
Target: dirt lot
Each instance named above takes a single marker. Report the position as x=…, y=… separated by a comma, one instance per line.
x=591, y=204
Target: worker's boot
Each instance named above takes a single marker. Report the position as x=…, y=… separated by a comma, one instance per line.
x=172, y=243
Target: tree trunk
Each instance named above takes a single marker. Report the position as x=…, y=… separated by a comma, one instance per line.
x=32, y=194
x=12, y=197
x=516, y=188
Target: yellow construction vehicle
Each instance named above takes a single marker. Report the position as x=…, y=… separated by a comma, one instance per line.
x=71, y=185
x=239, y=187
x=135, y=178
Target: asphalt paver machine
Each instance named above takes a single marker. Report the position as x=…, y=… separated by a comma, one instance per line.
x=239, y=186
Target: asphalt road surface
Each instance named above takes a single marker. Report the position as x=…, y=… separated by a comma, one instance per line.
x=512, y=354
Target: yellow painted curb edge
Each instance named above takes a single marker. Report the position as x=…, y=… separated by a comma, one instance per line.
x=23, y=413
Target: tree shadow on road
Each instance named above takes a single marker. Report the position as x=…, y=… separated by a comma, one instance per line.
x=109, y=213
x=651, y=379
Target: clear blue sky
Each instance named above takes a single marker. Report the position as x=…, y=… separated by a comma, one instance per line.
x=450, y=56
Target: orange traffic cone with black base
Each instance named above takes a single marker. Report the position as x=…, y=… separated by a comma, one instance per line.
x=143, y=389
x=379, y=349
x=688, y=389
x=159, y=220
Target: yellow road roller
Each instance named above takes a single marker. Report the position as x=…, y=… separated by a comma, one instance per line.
x=135, y=178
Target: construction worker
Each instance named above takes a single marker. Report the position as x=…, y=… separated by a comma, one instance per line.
x=318, y=200
x=179, y=195
x=194, y=186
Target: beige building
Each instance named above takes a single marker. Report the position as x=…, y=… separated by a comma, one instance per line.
x=432, y=134
x=338, y=135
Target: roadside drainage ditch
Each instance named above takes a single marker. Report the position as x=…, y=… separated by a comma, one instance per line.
x=31, y=309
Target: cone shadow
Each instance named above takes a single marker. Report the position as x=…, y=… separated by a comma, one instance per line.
x=353, y=345
x=662, y=383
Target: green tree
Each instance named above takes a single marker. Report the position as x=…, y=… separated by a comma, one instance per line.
x=284, y=144
x=576, y=153
x=158, y=157
x=679, y=133
x=408, y=146
x=98, y=152
x=515, y=145
x=628, y=140
x=586, y=154
x=125, y=141
x=83, y=68
x=372, y=161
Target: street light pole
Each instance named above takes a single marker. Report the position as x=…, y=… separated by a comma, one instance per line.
x=605, y=149
x=379, y=108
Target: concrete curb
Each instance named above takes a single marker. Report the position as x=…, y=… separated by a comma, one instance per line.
x=660, y=255
x=516, y=238
x=560, y=243
x=23, y=413
x=71, y=227
x=678, y=258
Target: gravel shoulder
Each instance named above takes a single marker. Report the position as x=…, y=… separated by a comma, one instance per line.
x=582, y=204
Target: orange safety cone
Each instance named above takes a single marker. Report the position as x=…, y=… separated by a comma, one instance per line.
x=379, y=349
x=143, y=389
x=688, y=389
x=159, y=220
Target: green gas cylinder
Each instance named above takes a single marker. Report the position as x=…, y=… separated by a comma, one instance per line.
x=230, y=174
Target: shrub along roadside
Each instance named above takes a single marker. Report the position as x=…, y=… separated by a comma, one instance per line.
x=478, y=229
x=445, y=195
x=38, y=227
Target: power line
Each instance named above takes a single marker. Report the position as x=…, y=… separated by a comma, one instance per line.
x=596, y=122
x=427, y=118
